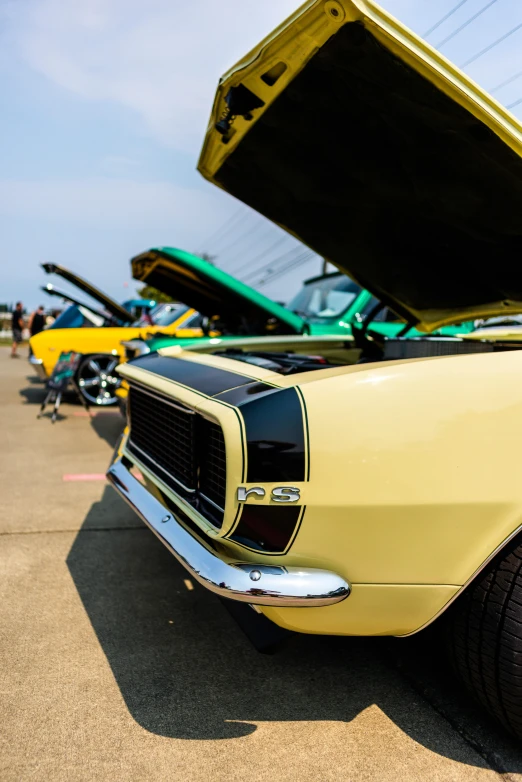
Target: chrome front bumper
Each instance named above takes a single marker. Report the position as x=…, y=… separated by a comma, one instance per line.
x=37, y=364
x=267, y=585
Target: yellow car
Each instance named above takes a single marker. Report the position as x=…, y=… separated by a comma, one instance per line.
x=101, y=347
x=367, y=498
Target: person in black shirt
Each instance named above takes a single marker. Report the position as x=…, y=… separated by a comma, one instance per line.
x=18, y=325
x=36, y=321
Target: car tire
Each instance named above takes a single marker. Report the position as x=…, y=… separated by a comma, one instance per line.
x=485, y=637
x=96, y=379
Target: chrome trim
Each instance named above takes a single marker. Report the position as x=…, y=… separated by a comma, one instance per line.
x=37, y=364
x=183, y=503
x=466, y=584
x=138, y=345
x=161, y=398
x=207, y=499
x=146, y=455
x=246, y=582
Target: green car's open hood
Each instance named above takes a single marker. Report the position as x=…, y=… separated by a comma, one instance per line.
x=112, y=306
x=361, y=140
x=213, y=292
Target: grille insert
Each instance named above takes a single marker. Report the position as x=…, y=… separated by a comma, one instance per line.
x=213, y=475
x=183, y=449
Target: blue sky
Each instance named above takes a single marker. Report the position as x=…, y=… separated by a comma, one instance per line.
x=105, y=104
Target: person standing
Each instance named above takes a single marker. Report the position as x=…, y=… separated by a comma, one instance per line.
x=18, y=325
x=36, y=321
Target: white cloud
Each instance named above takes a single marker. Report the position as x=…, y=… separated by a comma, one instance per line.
x=159, y=58
x=163, y=58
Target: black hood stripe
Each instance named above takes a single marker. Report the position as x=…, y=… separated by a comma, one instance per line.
x=201, y=377
x=275, y=437
x=246, y=393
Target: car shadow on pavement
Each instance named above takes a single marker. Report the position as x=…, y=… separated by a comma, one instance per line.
x=34, y=395
x=34, y=380
x=108, y=425
x=186, y=670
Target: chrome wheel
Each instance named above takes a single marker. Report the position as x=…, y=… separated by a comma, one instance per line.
x=97, y=380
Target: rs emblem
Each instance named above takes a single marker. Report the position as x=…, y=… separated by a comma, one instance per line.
x=243, y=494
x=279, y=494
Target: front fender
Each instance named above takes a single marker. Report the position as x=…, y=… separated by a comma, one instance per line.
x=414, y=478
x=415, y=466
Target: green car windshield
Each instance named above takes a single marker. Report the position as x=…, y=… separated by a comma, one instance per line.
x=324, y=299
x=161, y=315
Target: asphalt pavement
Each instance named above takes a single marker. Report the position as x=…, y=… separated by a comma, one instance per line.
x=116, y=666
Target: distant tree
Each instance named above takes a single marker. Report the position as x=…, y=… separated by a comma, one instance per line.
x=148, y=292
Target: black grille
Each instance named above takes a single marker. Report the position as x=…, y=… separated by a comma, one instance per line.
x=182, y=448
x=213, y=475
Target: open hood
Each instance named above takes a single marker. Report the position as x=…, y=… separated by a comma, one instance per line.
x=361, y=140
x=112, y=306
x=239, y=308
x=52, y=291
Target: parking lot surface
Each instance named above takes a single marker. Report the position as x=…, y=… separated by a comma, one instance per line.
x=116, y=666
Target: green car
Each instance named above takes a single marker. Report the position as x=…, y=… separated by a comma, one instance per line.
x=328, y=311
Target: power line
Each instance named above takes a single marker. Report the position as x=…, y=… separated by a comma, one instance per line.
x=265, y=252
x=505, y=82
x=286, y=270
x=234, y=227
x=246, y=235
x=273, y=266
x=231, y=219
x=465, y=24
x=273, y=275
x=255, y=272
x=303, y=258
x=491, y=45
x=515, y=103
x=441, y=21
x=238, y=237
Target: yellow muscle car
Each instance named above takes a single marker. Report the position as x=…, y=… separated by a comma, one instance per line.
x=101, y=347
x=374, y=497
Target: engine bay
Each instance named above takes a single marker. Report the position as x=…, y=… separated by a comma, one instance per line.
x=370, y=351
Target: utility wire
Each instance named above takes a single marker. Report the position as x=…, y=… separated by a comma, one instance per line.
x=303, y=258
x=491, y=45
x=283, y=272
x=515, y=103
x=505, y=82
x=213, y=236
x=264, y=280
x=262, y=254
x=238, y=237
x=255, y=272
x=271, y=262
x=241, y=238
x=465, y=24
x=441, y=21
x=273, y=267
